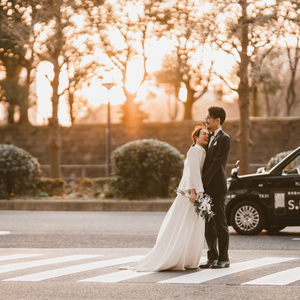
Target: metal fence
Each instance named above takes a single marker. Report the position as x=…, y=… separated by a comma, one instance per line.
x=74, y=172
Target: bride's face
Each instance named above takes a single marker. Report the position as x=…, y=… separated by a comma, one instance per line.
x=203, y=138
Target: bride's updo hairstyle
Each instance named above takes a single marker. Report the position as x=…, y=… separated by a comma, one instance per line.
x=196, y=133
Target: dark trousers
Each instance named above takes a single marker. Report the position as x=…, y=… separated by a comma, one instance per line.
x=216, y=230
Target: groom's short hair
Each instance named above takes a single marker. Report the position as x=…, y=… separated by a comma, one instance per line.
x=217, y=112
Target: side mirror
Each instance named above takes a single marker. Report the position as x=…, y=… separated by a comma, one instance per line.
x=261, y=170
x=235, y=171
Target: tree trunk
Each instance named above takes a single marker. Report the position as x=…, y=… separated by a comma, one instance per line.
x=25, y=105
x=254, y=107
x=188, y=105
x=11, y=113
x=23, y=116
x=54, y=129
x=71, y=102
x=291, y=95
x=131, y=113
x=267, y=101
x=173, y=108
x=54, y=147
x=243, y=92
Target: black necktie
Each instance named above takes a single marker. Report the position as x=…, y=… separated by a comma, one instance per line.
x=210, y=134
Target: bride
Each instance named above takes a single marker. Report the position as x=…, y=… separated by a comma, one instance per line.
x=180, y=239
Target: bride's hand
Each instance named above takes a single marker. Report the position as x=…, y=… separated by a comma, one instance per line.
x=193, y=196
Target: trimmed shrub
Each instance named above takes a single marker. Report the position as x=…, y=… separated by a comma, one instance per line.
x=86, y=183
x=50, y=187
x=276, y=159
x=144, y=168
x=101, y=181
x=19, y=171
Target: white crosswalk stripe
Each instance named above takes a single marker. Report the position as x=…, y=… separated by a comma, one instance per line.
x=122, y=275
x=17, y=256
x=43, y=262
x=117, y=276
x=74, y=269
x=279, y=278
x=198, y=276
x=207, y=275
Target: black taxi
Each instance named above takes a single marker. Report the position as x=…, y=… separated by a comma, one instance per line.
x=266, y=200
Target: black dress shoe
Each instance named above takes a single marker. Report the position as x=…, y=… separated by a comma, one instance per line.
x=221, y=265
x=209, y=263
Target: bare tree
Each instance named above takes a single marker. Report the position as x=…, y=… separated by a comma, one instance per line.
x=264, y=81
x=124, y=28
x=187, y=65
x=241, y=27
x=290, y=27
x=278, y=65
x=60, y=13
x=80, y=72
x=18, y=20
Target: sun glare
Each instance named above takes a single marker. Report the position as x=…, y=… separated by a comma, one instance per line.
x=134, y=75
x=96, y=94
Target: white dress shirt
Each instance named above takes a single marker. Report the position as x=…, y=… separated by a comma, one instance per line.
x=191, y=178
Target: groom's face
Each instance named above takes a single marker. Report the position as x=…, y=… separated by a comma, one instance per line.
x=211, y=123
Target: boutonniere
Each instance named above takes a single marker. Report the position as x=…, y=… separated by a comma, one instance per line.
x=215, y=141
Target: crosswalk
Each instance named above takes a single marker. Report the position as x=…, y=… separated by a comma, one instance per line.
x=97, y=268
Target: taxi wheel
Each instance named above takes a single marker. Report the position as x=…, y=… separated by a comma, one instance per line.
x=248, y=218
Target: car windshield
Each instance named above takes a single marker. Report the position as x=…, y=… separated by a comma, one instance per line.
x=293, y=167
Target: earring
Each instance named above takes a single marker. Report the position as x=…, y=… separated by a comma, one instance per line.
x=197, y=140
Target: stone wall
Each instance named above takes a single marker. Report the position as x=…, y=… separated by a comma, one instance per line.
x=86, y=144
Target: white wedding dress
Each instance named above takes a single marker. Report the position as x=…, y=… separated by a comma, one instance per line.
x=180, y=239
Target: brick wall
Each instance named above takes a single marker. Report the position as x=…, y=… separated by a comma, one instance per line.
x=85, y=144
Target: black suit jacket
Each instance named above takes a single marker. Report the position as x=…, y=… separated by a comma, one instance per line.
x=214, y=168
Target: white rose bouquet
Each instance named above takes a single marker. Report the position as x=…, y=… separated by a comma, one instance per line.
x=202, y=205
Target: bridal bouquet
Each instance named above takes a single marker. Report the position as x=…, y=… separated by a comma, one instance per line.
x=202, y=205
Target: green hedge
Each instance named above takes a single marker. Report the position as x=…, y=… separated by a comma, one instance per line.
x=145, y=168
x=276, y=159
x=19, y=171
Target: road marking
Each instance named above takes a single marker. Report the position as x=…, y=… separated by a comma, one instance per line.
x=116, y=277
x=122, y=275
x=75, y=269
x=277, y=279
x=4, y=232
x=280, y=278
x=296, y=239
x=43, y=262
x=211, y=274
x=17, y=256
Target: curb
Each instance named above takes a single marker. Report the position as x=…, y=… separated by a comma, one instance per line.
x=87, y=205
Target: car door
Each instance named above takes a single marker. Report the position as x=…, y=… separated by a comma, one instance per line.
x=285, y=193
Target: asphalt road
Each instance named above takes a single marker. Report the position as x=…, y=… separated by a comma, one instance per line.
x=54, y=255
x=59, y=229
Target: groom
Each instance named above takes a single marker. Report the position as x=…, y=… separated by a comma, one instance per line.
x=215, y=185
